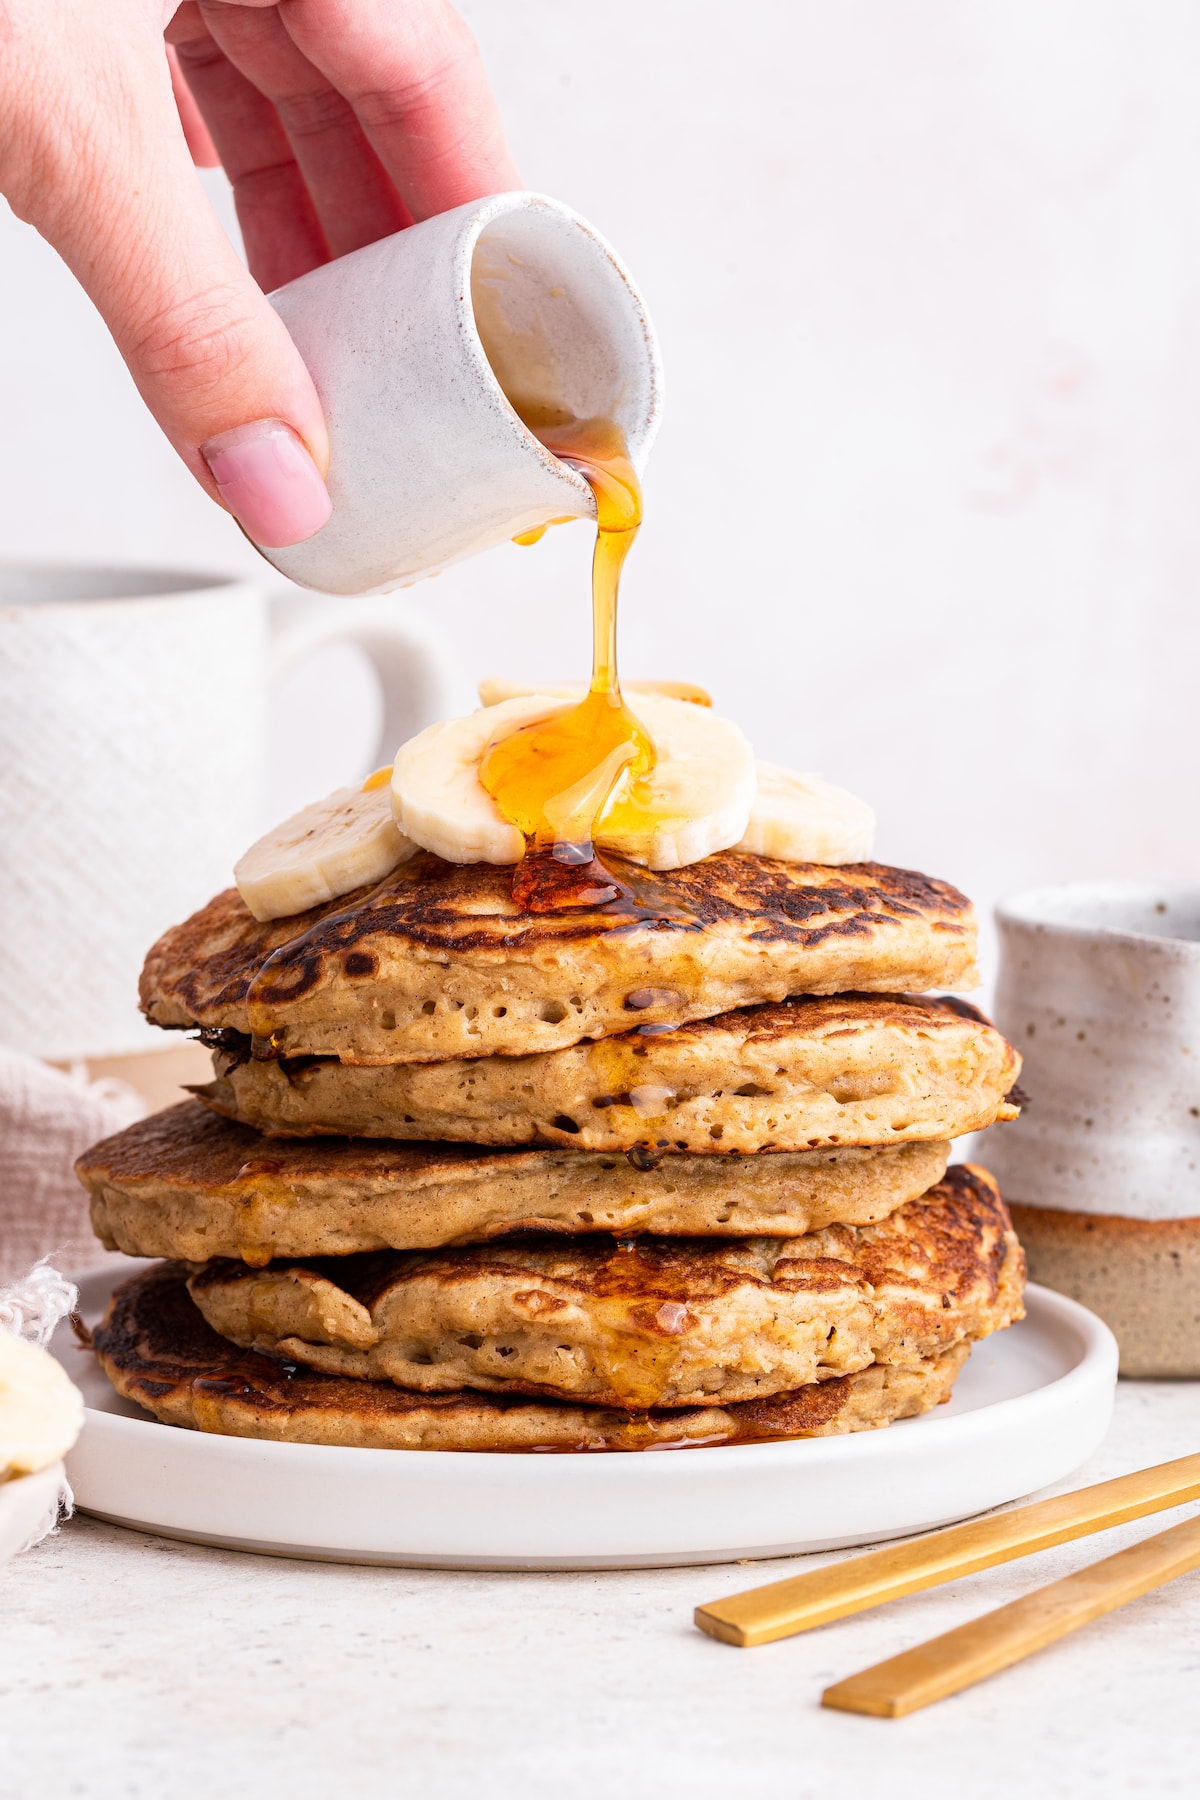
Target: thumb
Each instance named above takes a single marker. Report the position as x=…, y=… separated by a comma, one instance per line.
x=209, y=355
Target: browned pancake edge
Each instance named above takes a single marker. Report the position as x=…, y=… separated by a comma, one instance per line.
x=437, y=961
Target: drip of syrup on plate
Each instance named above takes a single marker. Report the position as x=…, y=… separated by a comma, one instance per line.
x=554, y=779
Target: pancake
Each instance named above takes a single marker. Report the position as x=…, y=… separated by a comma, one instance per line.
x=438, y=962
x=663, y=1322
x=185, y=1183
x=802, y=1074
x=157, y=1351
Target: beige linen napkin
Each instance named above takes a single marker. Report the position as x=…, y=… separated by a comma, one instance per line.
x=47, y=1119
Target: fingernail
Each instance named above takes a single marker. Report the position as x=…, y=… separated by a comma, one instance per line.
x=269, y=482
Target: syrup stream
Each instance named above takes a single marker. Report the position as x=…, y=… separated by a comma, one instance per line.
x=554, y=779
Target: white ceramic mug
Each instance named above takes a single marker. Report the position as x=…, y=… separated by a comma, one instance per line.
x=415, y=344
x=133, y=753
x=1099, y=989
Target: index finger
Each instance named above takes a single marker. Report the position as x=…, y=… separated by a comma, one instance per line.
x=415, y=78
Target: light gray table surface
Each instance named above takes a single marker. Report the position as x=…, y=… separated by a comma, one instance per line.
x=133, y=1665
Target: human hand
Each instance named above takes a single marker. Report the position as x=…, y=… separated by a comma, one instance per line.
x=338, y=121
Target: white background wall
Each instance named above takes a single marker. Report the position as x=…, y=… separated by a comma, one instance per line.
x=923, y=513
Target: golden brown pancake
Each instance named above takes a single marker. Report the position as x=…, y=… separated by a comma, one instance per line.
x=641, y=1322
x=157, y=1351
x=438, y=962
x=185, y=1183
x=802, y=1074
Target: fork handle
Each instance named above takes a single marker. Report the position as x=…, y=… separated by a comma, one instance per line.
x=959, y=1658
x=760, y=1615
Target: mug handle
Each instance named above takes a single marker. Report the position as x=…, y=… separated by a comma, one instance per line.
x=420, y=678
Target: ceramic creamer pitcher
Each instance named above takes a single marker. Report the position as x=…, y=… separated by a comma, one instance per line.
x=418, y=346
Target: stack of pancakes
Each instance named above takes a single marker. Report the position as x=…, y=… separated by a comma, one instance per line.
x=668, y=1171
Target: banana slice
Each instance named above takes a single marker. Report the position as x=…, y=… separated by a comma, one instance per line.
x=438, y=798
x=801, y=818
x=41, y=1409
x=696, y=800
x=348, y=840
x=494, y=688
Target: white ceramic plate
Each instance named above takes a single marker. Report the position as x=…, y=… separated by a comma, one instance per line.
x=1030, y=1406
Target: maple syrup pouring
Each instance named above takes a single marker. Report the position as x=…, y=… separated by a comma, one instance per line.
x=554, y=779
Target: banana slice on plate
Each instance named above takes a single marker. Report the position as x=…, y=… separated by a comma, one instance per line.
x=41, y=1409
x=696, y=800
x=495, y=688
x=346, y=841
x=802, y=818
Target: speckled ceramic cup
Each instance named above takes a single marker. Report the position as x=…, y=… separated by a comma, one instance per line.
x=1099, y=989
x=416, y=344
x=133, y=759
